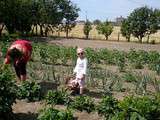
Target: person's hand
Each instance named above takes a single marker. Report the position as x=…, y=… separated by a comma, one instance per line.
x=83, y=77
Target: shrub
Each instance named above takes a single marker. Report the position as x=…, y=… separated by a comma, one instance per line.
x=83, y=103
x=7, y=90
x=143, y=108
x=29, y=90
x=57, y=97
x=54, y=114
x=108, y=107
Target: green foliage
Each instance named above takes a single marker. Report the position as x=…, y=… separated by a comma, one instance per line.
x=139, y=107
x=29, y=90
x=136, y=59
x=126, y=29
x=70, y=14
x=22, y=15
x=107, y=56
x=129, y=77
x=142, y=21
x=120, y=60
x=130, y=108
x=108, y=107
x=9, y=37
x=57, y=97
x=105, y=28
x=54, y=114
x=92, y=57
x=8, y=90
x=83, y=103
x=87, y=28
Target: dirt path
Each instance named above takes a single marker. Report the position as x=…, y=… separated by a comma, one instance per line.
x=106, y=44
x=29, y=111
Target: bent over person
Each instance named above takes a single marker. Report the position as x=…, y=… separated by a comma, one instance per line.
x=81, y=69
x=18, y=54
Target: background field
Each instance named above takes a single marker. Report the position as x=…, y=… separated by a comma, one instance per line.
x=78, y=33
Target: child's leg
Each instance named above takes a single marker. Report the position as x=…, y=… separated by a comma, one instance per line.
x=81, y=85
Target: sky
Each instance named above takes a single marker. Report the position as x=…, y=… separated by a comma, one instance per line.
x=110, y=9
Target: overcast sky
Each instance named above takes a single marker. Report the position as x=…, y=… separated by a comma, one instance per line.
x=110, y=9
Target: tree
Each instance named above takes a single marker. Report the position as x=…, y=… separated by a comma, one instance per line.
x=70, y=13
x=125, y=29
x=143, y=21
x=105, y=28
x=24, y=17
x=87, y=28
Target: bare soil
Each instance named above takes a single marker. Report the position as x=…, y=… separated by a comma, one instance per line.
x=125, y=46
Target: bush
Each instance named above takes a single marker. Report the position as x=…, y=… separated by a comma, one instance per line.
x=7, y=90
x=108, y=107
x=54, y=114
x=141, y=108
x=29, y=90
x=83, y=103
x=57, y=97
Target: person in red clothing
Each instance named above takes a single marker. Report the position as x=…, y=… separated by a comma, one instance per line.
x=19, y=54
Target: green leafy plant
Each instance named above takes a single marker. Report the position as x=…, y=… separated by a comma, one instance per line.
x=57, y=97
x=83, y=103
x=29, y=90
x=108, y=107
x=135, y=59
x=129, y=77
x=143, y=108
x=8, y=90
x=54, y=114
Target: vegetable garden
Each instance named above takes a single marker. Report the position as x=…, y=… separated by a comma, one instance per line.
x=120, y=85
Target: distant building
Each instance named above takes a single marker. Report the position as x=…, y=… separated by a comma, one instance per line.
x=119, y=20
x=82, y=22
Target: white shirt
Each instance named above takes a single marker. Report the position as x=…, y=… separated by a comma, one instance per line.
x=81, y=67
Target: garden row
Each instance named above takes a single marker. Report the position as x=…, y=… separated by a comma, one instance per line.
x=130, y=108
x=53, y=54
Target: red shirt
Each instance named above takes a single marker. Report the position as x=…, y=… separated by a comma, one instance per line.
x=22, y=45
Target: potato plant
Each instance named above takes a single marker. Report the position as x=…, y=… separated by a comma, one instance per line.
x=8, y=90
x=83, y=103
x=50, y=113
x=57, y=97
x=29, y=90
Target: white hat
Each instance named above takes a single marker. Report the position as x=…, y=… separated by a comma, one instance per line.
x=80, y=50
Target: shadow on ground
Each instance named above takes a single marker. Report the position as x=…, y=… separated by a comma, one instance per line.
x=46, y=86
x=94, y=94
x=26, y=116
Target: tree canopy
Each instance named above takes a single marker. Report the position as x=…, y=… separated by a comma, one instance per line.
x=105, y=28
x=140, y=23
x=24, y=15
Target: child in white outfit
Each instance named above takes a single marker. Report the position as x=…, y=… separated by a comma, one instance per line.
x=80, y=69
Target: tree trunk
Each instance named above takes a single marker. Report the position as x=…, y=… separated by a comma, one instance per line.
x=148, y=38
x=2, y=26
x=106, y=37
x=118, y=36
x=67, y=33
x=87, y=36
x=36, y=30
x=140, y=39
x=41, y=30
